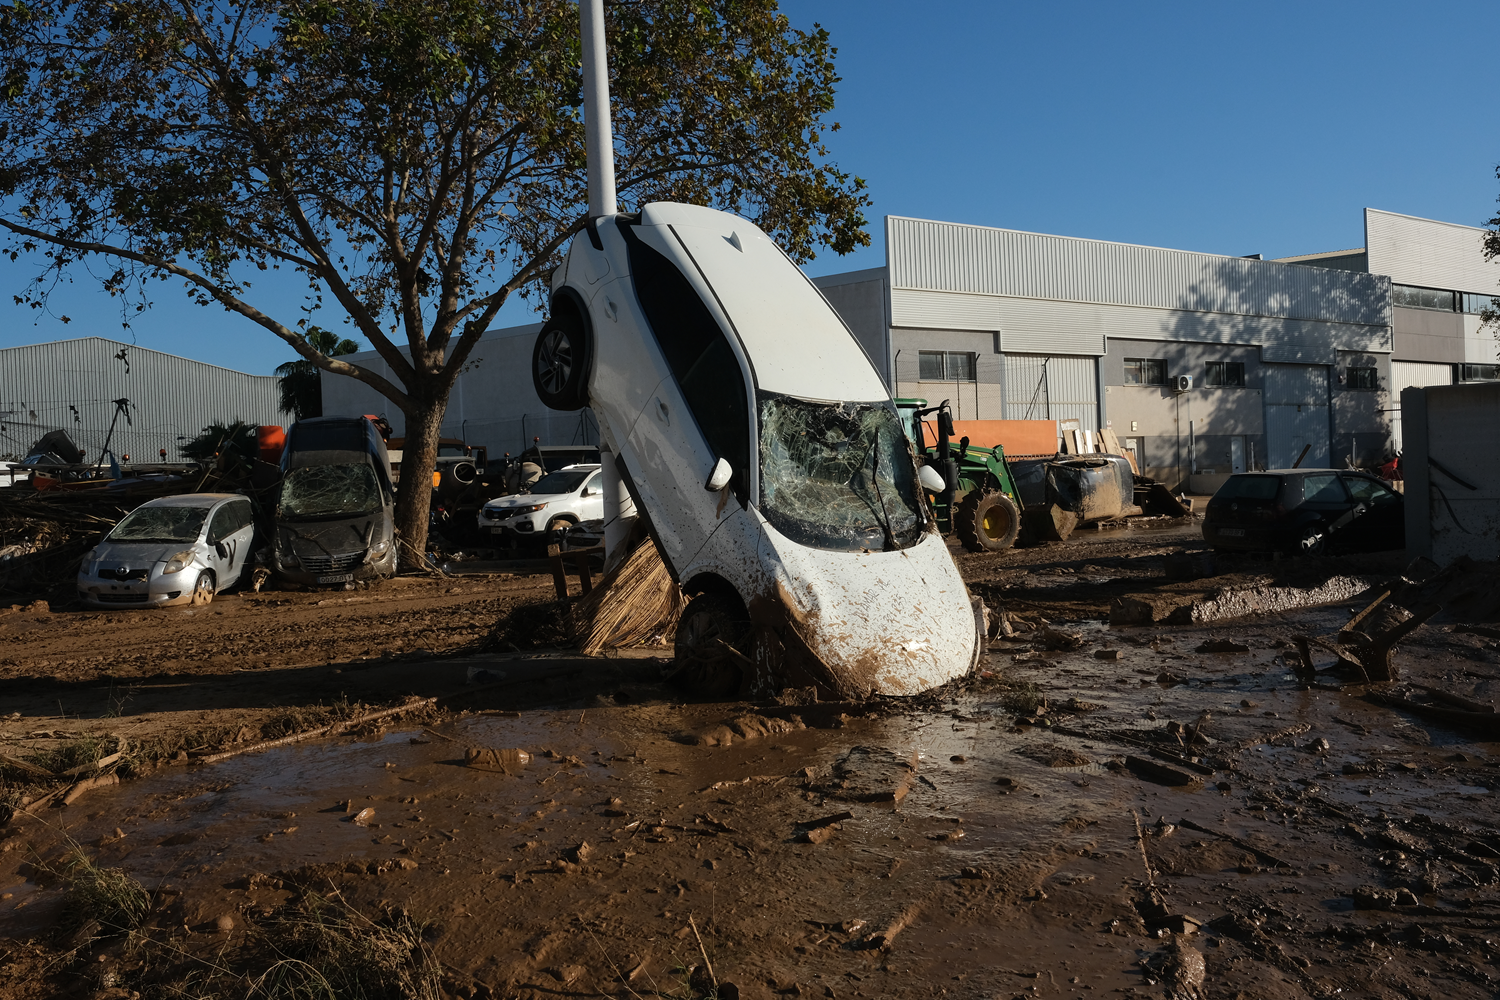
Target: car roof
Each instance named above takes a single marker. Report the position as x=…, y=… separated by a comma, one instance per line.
x=579, y=465
x=192, y=500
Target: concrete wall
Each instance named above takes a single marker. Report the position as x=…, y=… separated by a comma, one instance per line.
x=1159, y=417
x=1452, y=426
x=981, y=399
x=493, y=403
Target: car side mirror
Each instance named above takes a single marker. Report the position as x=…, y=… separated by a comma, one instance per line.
x=719, y=478
x=931, y=481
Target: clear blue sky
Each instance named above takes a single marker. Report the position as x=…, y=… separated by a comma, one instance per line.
x=1235, y=129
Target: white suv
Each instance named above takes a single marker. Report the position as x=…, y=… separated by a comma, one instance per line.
x=764, y=452
x=571, y=495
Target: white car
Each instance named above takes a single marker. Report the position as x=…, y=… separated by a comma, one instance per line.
x=764, y=452
x=571, y=495
x=172, y=550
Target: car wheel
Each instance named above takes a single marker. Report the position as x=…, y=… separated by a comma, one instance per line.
x=1312, y=541
x=560, y=361
x=203, y=589
x=559, y=524
x=987, y=521
x=704, y=666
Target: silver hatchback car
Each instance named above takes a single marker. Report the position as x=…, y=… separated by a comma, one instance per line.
x=172, y=550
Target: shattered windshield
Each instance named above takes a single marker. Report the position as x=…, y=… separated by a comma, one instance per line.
x=837, y=475
x=329, y=491
x=160, y=524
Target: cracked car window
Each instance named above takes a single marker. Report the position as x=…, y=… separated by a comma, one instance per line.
x=837, y=475
x=160, y=524
x=327, y=491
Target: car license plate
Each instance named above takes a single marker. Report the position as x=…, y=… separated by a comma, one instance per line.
x=1232, y=532
x=336, y=578
x=496, y=529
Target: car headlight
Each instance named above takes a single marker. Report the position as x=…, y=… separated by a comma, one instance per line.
x=178, y=563
x=379, y=548
x=527, y=510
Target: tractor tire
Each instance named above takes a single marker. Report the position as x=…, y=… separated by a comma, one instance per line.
x=987, y=521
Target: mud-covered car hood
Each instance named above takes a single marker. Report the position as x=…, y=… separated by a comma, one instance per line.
x=897, y=622
x=137, y=555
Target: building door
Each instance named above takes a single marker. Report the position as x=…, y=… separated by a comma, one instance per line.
x=1296, y=398
x=1237, y=453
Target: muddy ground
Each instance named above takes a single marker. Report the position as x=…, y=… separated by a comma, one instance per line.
x=1135, y=815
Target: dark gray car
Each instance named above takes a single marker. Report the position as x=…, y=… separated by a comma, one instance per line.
x=1307, y=511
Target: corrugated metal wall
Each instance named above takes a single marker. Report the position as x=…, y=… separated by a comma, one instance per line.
x=1296, y=398
x=1057, y=387
x=1428, y=253
x=70, y=385
x=1406, y=374
x=941, y=256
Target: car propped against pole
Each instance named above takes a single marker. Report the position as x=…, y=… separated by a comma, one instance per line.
x=762, y=448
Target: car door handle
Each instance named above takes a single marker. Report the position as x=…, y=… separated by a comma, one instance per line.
x=662, y=413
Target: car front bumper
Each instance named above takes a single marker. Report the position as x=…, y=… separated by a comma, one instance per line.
x=1249, y=538
x=159, y=590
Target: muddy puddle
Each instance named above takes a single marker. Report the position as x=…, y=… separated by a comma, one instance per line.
x=1302, y=841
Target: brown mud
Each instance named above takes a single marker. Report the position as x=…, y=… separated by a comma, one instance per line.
x=1131, y=815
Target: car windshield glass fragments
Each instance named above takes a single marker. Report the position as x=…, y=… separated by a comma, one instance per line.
x=160, y=524
x=837, y=475
x=1322, y=489
x=560, y=482
x=324, y=491
x=1249, y=488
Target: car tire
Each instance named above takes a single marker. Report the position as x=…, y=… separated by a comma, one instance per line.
x=1312, y=541
x=987, y=521
x=203, y=590
x=702, y=666
x=562, y=357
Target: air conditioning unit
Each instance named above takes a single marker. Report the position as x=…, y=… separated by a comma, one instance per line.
x=1184, y=383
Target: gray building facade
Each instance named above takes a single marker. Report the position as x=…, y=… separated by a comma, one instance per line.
x=1015, y=325
x=71, y=385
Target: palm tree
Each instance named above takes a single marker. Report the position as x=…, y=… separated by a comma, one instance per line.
x=301, y=383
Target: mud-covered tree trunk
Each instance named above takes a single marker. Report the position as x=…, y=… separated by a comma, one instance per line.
x=414, y=492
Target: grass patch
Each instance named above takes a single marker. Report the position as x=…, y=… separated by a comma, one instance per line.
x=312, y=949
x=109, y=895
x=1021, y=697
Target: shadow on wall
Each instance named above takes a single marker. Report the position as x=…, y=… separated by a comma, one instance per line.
x=1300, y=318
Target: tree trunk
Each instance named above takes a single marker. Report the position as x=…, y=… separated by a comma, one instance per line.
x=414, y=492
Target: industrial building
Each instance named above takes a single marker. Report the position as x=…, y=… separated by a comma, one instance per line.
x=1440, y=283
x=1203, y=365
x=163, y=400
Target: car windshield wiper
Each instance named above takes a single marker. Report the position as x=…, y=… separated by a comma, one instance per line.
x=882, y=515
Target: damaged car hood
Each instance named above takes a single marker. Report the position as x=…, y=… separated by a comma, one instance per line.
x=898, y=623
x=137, y=555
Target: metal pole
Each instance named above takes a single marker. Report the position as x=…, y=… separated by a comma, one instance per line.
x=601, y=151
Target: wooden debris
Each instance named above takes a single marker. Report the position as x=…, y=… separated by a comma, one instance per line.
x=634, y=601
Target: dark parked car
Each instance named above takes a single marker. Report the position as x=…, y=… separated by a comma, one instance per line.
x=1305, y=511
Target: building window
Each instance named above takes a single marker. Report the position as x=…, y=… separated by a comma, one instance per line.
x=1422, y=298
x=1363, y=378
x=1479, y=303
x=1221, y=373
x=945, y=366
x=1145, y=371
x=1481, y=373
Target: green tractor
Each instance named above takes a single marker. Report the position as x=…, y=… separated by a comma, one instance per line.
x=979, y=501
